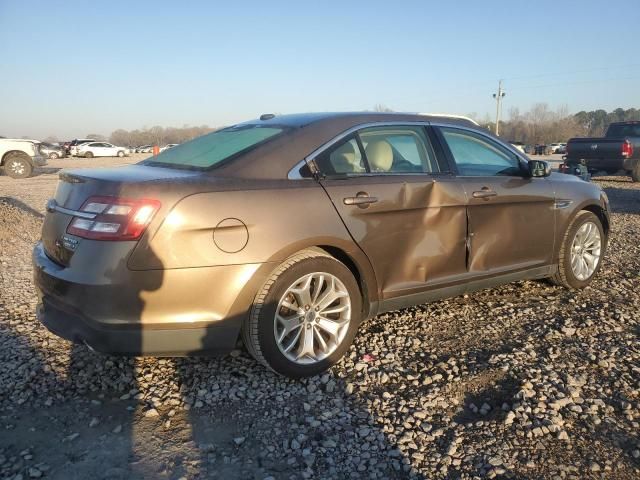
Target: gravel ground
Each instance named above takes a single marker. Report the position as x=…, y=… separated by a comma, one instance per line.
x=523, y=381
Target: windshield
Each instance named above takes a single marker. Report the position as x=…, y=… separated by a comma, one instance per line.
x=210, y=150
x=619, y=131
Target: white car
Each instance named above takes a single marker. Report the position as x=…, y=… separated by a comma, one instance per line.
x=558, y=147
x=73, y=146
x=100, y=149
x=168, y=146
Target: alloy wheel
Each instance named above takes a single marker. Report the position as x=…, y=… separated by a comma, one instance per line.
x=586, y=250
x=312, y=318
x=16, y=167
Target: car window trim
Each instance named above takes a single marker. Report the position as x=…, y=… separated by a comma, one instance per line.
x=445, y=146
x=294, y=172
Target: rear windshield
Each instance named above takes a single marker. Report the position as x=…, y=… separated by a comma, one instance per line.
x=619, y=131
x=209, y=150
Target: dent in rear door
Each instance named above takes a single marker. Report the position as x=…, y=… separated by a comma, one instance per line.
x=414, y=234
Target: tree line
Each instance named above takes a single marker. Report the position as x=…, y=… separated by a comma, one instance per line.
x=157, y=135
x=541, y=125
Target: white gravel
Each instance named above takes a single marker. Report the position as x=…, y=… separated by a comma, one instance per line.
x=522, y=381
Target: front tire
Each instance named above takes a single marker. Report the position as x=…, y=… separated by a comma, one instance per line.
x=18, y=166
x=635, y=172
x=305, y=316
x=581, y=252
x=88, y=155
x=120, y=153
x=53, y=156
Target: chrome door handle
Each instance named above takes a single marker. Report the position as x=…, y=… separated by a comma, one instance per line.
x=360, y=200
x=486, y=194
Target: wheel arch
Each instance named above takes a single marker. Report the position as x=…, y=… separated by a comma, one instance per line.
x=12, y=152
x=364, y=284
x=599, y=212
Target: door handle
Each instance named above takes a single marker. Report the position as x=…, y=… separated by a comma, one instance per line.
x=484, y=193
x=363, y=200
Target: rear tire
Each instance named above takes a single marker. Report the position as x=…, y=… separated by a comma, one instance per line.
x=569, y=272
x=635, y=172
x=264, y=330
x=88, y=155
x=18, y=166
x=53, y=156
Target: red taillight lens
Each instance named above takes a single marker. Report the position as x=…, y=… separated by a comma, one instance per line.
x=115, y=218
x=627, y=149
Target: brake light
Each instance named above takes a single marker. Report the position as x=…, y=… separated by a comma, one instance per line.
x=115, y=218
x=627, y=149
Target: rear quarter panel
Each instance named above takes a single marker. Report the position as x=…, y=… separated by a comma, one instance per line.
x=277, y=218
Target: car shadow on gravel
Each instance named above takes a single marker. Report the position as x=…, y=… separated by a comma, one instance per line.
x=22, y=206
x=248, y=422
x=45, y=171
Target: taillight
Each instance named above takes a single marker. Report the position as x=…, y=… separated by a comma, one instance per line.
x=627, y=149
x=115, y=218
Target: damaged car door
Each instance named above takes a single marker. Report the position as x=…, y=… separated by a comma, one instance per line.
x=511, y=213
x=401, y=205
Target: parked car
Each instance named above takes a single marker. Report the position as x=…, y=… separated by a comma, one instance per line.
x=19, y=157
x=100, y=149
x=557, y=147
x=144, y=149
x=74, y=144
x=52, y=151
x=289, y=231
x=169, y=145
x=618, y=150
x=518, y=145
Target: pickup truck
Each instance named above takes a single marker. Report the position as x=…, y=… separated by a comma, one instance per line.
x=19, y=157
x=619, y=149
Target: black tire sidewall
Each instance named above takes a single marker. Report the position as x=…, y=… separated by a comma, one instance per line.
x=276, y=360
x=582, y=218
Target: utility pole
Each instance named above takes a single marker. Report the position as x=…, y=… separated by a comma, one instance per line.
x=498, y=96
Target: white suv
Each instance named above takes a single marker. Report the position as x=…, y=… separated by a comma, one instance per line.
x=20, y=157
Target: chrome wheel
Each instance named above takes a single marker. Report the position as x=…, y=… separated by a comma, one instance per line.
x=586, y=250
x=312, y=318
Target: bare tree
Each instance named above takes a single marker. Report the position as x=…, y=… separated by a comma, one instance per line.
x=380, y=107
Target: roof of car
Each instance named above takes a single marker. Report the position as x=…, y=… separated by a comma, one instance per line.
x=304, y=119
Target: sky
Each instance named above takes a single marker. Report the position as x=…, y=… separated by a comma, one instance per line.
x=71, y=68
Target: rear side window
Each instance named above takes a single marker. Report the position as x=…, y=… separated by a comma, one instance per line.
x=343, y=159
x=619, y=131
x=477, y=156
x=210, y=150
x=398, y=150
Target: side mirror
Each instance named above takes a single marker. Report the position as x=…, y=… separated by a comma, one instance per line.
x=539, y=168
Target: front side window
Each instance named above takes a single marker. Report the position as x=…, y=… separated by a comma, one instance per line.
x=211, y=149
x=477, y=156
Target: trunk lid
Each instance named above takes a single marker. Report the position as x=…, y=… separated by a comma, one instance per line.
x=76, y=186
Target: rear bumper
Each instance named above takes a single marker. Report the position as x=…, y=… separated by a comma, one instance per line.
x=175, y=318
